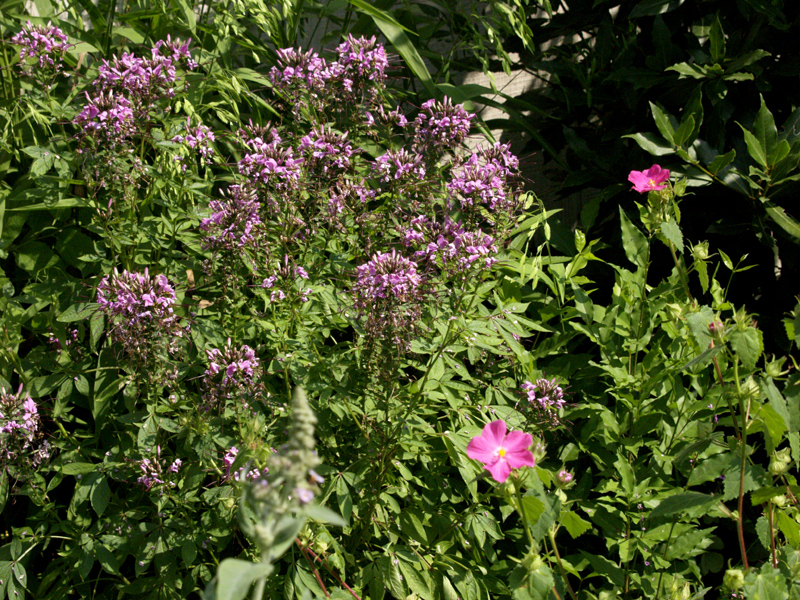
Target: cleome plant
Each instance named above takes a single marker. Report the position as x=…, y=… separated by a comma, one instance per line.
x=276, y=332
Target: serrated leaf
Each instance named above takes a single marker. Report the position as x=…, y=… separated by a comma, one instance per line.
x=673, y=233
x=748, y=345
x=680, y=503
x=574, y=524
x=633, y=241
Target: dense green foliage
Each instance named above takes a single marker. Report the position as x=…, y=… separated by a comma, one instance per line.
x=191, y=236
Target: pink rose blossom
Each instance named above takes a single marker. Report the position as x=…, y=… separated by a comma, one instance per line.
x=501, y=452
x=650, y=180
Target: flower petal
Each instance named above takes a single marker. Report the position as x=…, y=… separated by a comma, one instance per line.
x=499, y=470
x=495, y=432
x=517, y=440
x=520, y=458
x=479, y=448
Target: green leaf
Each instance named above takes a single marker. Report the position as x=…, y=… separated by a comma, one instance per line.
x=672, y=232
x=651, y=8
x=662, y=123
x=235, y=576
x=680, y=503
x=35, y=256
x=769, y=584
x=396, y=34
x=633, y=241
x=100, y=496
x=721, y=161
x=748, y=345
x=684, y=132
x=322, y=514
x=689, y=70
x=787, y=223
x=77, y=312
x=78, y=468
x=603, y=566
x=765, y=130
x=575, y=525
x=652, y=144
x=4, y=487
x=717, y=41
x=754, y=147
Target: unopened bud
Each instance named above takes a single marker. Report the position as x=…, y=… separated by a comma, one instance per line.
x=751, y=391
x=700, y=251
x=774, y=368
x=734, y=579
x=532, y=562
x=539, y=451
x=781, y=459
x=779, y=501
x=564, y=478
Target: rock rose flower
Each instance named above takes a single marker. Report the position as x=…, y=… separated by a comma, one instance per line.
x=650, y=180
x=500, y=451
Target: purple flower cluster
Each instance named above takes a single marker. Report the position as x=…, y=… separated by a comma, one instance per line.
x=232, y=373
x=271, y=165
x=387, y=276
x=128, y=86
x=449, y=246
x=20, y=431
x=324, y=149
x=303, y=77
x=254, y=475
x=389, y=292
x=140, y=309
x=351, y=195
x=45, y=45
x=107, y=117
x=543, y=399
x=197, y=138
x=153, y=473
x=362, y=60
x=441, y=125
x=286, y=280
x=483, y=179
x=399, y=165
x=234, y=223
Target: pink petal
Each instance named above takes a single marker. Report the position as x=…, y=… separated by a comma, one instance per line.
x=499, y=470
x=517, y=441
x=495, y=432
x=479, y=448
x=520, y=458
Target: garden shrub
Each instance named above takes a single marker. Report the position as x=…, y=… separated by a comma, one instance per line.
x=267, y=326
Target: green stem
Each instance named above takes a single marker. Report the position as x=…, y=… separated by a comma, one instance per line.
x=521, y=510
x=743, y=445
x=552, y=536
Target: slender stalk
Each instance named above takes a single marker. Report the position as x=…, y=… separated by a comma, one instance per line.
x=552, y=536
x=681, y=272
x=332, y=572
x=303, y=551
x=743, y=445
x=772, y=537
x=664, y=556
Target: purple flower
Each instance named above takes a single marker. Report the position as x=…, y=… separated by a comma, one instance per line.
x=240, y=367
x=199, y=139
x=107, y=117
x=441, y=125
x=45, y=45
x=650, y=180
x=324, y=149
x=271, y=165
x=399, y=165
x=543, y=399
x=387, y=275
x=483, y=180
x=234, y=224
x=449, y=246
x=364, y=62
x=140, y=310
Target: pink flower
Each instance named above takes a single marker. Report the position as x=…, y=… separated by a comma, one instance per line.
x=650, y=180
x=501, y=452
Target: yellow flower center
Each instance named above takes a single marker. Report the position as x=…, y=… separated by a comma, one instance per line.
x=501, y=452
x=652, y=183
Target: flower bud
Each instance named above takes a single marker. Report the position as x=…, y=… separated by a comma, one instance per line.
x=564, y=478
x=532, y=562
x=680, y=590
x=781, y=459
x=539, y=451
x=733, y=579
x=774, y=368
x=751, y=391
x=700, y=251
x=779, y=501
